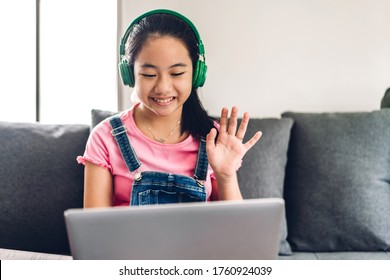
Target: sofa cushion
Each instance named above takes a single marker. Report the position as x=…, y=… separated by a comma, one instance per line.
x=263, y=169
x=385, y=102
x=98, y=116
x=337, y=187
x=355, y=255
x=39, y=179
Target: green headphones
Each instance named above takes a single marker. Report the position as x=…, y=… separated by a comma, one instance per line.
x=126, y=70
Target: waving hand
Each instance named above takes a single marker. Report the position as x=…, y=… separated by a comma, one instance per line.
x=226, y=152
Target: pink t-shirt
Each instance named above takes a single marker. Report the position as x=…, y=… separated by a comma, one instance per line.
x=102, y=150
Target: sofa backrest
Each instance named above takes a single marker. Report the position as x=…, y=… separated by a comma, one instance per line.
x=39, y=179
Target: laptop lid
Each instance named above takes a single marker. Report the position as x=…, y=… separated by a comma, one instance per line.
x=248, y=229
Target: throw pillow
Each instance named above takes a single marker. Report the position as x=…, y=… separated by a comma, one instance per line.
x=263, y=169
x=99, y=116
x=337, y=186
x=385, y=102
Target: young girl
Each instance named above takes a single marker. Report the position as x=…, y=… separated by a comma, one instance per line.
x=165, y=149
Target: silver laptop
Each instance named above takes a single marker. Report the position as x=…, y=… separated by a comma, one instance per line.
x=248, y=229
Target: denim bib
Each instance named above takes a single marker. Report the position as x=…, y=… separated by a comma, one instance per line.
x=154, y=187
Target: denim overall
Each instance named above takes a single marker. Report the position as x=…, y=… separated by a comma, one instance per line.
x=154, y=187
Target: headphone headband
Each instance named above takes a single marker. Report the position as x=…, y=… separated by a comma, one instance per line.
x=160, y=11
x=126, y=70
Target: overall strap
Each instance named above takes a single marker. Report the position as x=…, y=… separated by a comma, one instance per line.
x=202, y=162
x=127, y=151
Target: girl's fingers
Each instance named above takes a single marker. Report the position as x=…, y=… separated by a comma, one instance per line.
x=229, y=126
x=253, y=140
x=224, y=120
x=232, y=128
x=210, y=138
x=243, y=126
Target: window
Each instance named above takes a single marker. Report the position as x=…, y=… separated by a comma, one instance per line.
x=77, y=60
x=17, y=61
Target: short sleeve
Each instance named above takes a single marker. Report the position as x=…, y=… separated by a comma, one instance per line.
x=97, y=147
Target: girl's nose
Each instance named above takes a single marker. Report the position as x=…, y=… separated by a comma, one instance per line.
x=164, y=84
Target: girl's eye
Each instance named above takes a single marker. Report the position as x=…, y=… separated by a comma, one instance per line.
x=149, y=75
x=177, y=74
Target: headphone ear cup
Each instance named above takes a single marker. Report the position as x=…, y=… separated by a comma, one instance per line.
x=199, y=77
x=200, y=74
x=126, y=73
x=195, y=76
x=130, y=75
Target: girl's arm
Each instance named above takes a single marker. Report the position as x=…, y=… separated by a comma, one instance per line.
x=225, y=193
x=98, y=186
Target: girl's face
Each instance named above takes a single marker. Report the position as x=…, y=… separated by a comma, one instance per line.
x=163, y=77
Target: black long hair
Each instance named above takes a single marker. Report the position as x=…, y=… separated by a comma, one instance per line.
x=195, y=119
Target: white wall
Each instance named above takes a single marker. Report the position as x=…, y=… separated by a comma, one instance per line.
x=271, y=56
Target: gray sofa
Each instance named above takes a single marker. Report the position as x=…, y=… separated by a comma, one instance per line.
x=332, y=169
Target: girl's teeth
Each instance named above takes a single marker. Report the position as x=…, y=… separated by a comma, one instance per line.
x=163, y=100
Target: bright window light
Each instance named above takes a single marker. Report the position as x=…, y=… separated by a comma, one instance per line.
x=78, y=59
x=17, y=61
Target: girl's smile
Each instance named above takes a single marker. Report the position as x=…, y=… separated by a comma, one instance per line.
x=163, y=102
